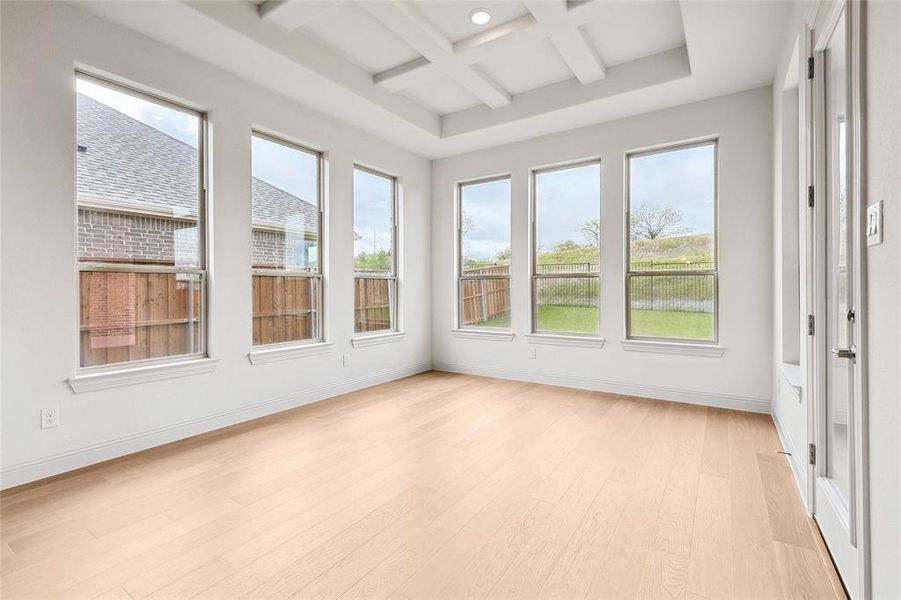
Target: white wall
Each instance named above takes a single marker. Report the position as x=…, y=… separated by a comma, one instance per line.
x=790, y=400
x=742, y=377
x=882, y=27
x=882, y=132
x=41, y=45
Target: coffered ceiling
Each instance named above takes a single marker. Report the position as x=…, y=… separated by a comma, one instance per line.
x=422, y=74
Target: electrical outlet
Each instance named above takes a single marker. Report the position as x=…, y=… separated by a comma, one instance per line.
x=49, y=417
x=345, y=360
x=532, y=353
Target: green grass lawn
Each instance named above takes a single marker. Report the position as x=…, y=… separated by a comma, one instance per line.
x=645, y=323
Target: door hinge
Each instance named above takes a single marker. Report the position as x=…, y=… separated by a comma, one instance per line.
x=810, y=67
x=810, y=196
x=812, y=454
x=811, y=329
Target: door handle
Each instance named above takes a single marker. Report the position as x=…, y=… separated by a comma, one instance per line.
x=845, y=352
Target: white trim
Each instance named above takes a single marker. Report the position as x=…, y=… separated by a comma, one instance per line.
x=27, y=471
x=793, y=375
x=486, y=334
x=141, y=209
x=795, y=460
x=102, y=380
x=758, y=405
x=374, y=340
x=265, y=355
x=686, y=348
x=575, y=341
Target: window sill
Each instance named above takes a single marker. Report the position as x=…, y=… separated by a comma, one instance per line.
x=793, y=375
x=577, y=341
x=91, y=382
x=685, y=348
x=377, y=339
x=267, y=355
x=478, y=334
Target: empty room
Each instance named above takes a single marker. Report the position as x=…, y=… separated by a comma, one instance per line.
x=420, y=299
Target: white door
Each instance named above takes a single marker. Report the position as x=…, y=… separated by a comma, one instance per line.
x=835, y=488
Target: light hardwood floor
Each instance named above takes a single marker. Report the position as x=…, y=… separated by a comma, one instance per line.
x=434, y=486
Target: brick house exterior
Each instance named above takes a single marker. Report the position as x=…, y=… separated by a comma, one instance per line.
x=138, y=198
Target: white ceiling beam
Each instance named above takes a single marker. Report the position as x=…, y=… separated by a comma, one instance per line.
x=423, y=37
x=291, y=15
x=570, y=41
x=513, y=33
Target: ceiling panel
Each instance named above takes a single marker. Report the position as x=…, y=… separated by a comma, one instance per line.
x=451, y=17
x=352, y=33
x=442, y=95
x=527, y=67
x=625, y=31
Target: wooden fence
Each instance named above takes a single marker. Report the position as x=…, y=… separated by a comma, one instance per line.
x=285, y=308
x=485, y=299
x=136, y=316
x=372, y=303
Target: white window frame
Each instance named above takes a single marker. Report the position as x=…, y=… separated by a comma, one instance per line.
x=549, y=336
x=391, y=276
x=460, y=276
x=319, y=336
x=123, y=373
x=629, y=273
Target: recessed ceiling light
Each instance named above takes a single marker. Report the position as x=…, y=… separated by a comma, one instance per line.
x=480, y=16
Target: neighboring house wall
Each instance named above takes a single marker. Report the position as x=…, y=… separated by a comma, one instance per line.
x=121, y=236
x=112, y=236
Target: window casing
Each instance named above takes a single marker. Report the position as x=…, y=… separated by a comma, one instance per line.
x=672, y=268
x=565, y=250
x=141, y=227
x=375, y=252
x=286, y=246
x=483, y=253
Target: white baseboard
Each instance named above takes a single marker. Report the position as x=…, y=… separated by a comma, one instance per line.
x=796, y=459
x=758, y=405
x=18, y=474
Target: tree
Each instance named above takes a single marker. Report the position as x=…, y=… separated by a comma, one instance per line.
x=592, y=232
x=651, y=222
x=468, y=223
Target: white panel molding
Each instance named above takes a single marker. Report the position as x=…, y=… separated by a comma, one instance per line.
x=132, y=375
x=25, y=472
x=267, y=355
x=576, y=341
x=744, y=403
x=474, y=334
x=364, y=341
x=685, y=348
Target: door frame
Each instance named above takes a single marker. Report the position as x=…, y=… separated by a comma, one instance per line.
x=826, y=17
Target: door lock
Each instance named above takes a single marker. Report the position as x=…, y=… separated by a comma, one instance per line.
x=849, y=353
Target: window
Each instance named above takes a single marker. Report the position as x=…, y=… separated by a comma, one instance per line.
x=287, y=261
x=671, y=281
x=566, y=242
x=141, y=226
x=375, y=251
x=483, y=243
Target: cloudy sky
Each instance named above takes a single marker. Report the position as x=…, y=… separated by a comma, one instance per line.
x=291, y=170
x=683, y=179
x=372, y=212
x=486, y=213
x=566, y=199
